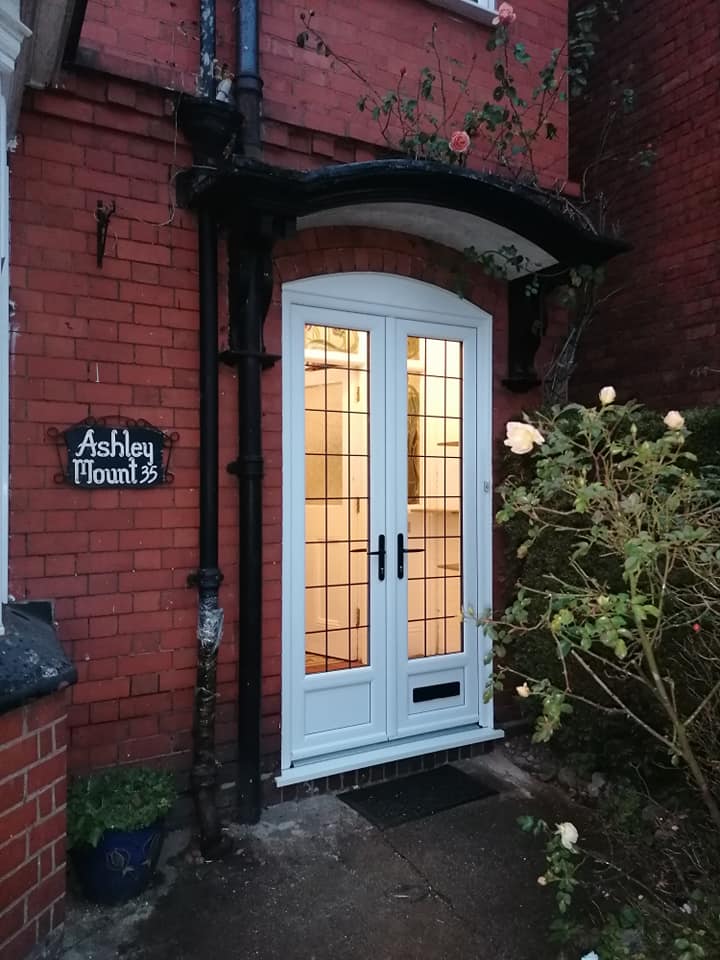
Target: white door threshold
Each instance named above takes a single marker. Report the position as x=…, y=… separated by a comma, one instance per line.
x=329, y=765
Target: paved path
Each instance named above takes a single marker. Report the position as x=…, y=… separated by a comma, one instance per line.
x=315, y=881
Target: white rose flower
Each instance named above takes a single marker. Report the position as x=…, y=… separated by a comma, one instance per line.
x=674, y=420
x=590, y=956
x=522, y=437
x=607, y=395
x=523, y=690
x=568, y=835
x=542, y=881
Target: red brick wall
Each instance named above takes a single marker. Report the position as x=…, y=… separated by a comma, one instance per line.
x=663, y=324
x=32, y=824
x=305, y=97
x=106, y=342
x=122, y=340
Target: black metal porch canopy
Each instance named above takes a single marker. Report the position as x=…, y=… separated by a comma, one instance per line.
x=420, y=196
x=453, y=206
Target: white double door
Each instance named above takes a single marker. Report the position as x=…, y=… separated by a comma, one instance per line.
x=386, y=534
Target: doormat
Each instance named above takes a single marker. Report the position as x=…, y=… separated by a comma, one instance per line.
x=417, y=796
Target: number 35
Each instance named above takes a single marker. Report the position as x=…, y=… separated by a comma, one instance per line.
x=148, y=474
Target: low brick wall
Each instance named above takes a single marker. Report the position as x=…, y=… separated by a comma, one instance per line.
x=32, y=827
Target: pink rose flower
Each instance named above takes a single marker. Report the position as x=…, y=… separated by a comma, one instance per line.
x=460, y=142
x=505, y=15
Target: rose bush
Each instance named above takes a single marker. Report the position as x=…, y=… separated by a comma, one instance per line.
x=637, y=503
x=440, y=115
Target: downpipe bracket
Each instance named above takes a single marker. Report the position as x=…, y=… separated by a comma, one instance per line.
x=248, y=466
x=207, y=580
x=231, y=358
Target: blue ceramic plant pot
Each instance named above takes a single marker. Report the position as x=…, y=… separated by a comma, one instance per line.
x=121, y=866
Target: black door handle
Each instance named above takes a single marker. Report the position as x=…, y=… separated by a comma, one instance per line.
x=401, y=551
x=379, y=553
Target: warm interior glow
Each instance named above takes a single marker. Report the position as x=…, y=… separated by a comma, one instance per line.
x=337, y=505
x=336, y=498
x=434, y=496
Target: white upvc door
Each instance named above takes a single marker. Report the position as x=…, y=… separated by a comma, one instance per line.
x=433, y=506
x=335, y=505
x=386, y=513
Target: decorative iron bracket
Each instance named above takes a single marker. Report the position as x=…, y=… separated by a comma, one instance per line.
x=103, y=215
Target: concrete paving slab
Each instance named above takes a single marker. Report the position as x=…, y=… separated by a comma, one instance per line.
x=315, y=881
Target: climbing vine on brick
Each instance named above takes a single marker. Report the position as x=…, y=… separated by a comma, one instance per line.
x=437, y=115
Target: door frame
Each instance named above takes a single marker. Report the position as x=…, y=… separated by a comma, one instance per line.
x=386, y=295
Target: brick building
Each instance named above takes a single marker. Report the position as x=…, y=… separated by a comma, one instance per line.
x=270, y=287
x=656, y=337
x=34, y=671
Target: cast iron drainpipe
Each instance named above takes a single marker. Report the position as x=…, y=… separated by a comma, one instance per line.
x=248, y=85
x=208, y=577
x=249, y=289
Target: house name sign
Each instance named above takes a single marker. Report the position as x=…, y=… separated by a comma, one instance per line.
x=129, y=453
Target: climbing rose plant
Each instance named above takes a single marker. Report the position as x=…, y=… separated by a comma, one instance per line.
x=438, y=114
x=634, y=618
x=441, y=114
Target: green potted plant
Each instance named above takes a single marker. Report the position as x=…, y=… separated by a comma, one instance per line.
x=115, y=829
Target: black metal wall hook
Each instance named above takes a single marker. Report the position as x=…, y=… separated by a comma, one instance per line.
x=103, y=215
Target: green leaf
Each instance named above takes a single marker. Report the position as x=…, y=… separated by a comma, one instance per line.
x=409, y=107
x=124, y=798
x=564, y=646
